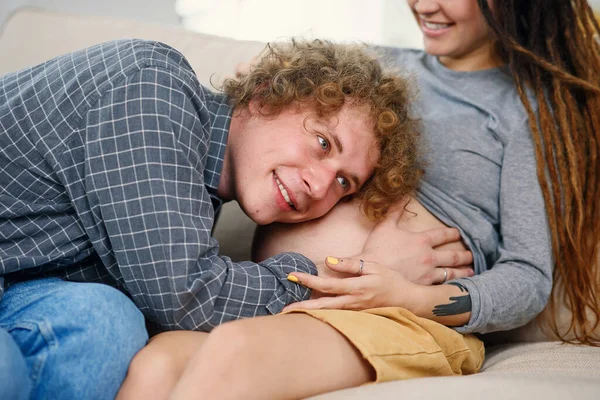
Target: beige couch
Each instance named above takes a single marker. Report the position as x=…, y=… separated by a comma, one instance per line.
x=523, y=370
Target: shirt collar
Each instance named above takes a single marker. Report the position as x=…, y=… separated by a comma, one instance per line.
x=220, y=119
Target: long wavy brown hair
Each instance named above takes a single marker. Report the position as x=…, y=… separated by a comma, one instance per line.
x=328, y=75
x=551, y=47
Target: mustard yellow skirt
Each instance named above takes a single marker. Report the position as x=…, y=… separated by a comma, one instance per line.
x=400, y=345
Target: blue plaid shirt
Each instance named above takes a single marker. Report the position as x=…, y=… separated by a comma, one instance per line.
x=110, y=160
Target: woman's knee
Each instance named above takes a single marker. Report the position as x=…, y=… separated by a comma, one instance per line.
x=225, y=365
x=229, y=348
x=153, y=366
x=230, y=339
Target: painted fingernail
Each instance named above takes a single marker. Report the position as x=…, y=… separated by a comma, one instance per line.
x=292, y=278
x=332, y=260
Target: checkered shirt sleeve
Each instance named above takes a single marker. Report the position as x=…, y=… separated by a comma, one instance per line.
x=103, y=177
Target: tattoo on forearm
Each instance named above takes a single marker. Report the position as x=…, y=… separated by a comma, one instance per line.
x=459, y=304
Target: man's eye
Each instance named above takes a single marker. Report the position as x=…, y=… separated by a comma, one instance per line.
x=343, y=182
x=324, y=143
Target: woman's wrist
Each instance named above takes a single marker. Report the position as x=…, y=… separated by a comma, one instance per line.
x=411, y=297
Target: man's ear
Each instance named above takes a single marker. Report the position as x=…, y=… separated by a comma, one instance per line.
x=254, y=107
x=258, y=110
x=250, y=110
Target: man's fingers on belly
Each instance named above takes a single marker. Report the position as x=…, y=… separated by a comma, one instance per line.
x=459, y=272
x=439, y=236
x=453, y=258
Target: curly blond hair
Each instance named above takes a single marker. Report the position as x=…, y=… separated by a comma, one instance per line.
x=327, y=75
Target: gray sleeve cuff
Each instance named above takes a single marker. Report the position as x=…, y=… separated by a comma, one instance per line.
x=476, y=323
x=281, y=266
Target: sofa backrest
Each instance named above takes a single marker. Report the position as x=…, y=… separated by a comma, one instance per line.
x=31, y=36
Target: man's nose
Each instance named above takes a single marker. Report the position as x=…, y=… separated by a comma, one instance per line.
x=318, y=180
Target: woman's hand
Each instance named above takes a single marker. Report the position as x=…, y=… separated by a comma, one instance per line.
x=414, y=254
x=356, y=289
x=374, y=285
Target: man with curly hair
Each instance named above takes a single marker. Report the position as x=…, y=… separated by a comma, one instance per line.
x=114, y=161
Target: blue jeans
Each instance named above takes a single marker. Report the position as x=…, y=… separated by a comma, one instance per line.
x=66, y=340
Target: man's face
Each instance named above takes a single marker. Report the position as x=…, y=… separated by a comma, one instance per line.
x=295, y=167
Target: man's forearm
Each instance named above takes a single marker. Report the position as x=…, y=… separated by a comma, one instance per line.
x=448, y=304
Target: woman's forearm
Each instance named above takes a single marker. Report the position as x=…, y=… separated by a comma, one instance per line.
x=448, y=304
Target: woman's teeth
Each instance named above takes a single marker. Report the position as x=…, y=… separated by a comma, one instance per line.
x=284, y=193
x=434, y=26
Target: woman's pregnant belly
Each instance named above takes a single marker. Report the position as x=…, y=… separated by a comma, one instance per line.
x=340, y=233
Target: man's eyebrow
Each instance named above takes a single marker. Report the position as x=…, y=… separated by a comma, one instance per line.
x=338, y=143
x=340, y=149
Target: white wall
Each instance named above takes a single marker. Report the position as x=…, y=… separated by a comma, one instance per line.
x=149, y=10
x=386, y=22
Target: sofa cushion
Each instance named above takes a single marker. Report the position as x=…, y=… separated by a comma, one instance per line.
x=525, y=371
x=489, y=386
x=544, y=358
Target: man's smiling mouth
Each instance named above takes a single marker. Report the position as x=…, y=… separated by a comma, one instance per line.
x=284, y=193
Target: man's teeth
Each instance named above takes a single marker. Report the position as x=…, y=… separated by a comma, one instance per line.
x=433, y=26
x=284, y=193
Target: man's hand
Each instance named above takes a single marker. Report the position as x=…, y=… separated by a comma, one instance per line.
x=414, y=254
